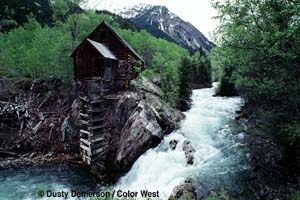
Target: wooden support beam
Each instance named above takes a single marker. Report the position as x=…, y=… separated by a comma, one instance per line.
x=86, y=159
x=99, y=145
x=85, y=132
x=83, y=122
x=85, y=142
x=112, y=97
x=83, y=115
x=86, y=149
x=98, y=119
x=99, y=156
x=85, y=99
x=97, y=110
x=98, y=139
x=98, y=127
x=99, y=150
x=97, y=101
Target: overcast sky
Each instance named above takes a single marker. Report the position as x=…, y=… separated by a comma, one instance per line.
x=197, y=12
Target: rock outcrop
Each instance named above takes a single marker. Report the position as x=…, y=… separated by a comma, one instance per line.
x=141, y=121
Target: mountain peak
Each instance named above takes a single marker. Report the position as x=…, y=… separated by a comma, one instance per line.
x=139, y=9
x=132, y=11
x=161, y=22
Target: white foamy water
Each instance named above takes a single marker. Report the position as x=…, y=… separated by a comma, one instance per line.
x=163, y=169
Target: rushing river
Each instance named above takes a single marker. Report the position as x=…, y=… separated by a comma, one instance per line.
x=217, y=160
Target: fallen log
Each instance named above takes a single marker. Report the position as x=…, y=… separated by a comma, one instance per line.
x=21, y=127
x=37, y=127
x=51, y=125
x=4, y=153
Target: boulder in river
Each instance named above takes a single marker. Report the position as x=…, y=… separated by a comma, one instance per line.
x=189, y=150
x=173, y=144
x=187, y=190
x=241, y=137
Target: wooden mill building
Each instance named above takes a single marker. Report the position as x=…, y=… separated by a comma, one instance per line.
x=104, y=64
x=105, y=54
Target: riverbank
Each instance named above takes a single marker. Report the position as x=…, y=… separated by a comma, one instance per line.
x=273, y=173
x=19, y=161
x=262, y=169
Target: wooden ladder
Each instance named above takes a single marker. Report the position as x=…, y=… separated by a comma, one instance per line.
x=94, y=124
x=94, y=130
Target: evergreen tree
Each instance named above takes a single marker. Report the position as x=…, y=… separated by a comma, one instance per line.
x=185, y=83
x=201, y=70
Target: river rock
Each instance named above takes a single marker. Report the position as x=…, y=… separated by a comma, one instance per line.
x=173, y=144
x=189, y=151
x=187, y=190
x=184, y=104
x=241, y=138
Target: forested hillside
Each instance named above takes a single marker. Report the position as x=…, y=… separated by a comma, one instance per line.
x=37, y=46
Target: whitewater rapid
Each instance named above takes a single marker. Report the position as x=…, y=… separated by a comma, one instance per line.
x=206, y=126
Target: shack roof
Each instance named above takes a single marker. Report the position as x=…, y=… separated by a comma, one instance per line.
x=102, y=49
x=125, y=44
x=122, y=41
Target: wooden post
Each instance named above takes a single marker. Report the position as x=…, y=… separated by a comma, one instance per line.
x=126, y=84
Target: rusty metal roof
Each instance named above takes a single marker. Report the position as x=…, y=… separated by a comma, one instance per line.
x=102, y=49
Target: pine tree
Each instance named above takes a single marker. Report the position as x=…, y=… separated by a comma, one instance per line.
x=185, y=87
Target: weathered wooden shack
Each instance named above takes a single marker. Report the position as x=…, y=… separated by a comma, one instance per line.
x=104, y=64
x=105, y=54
